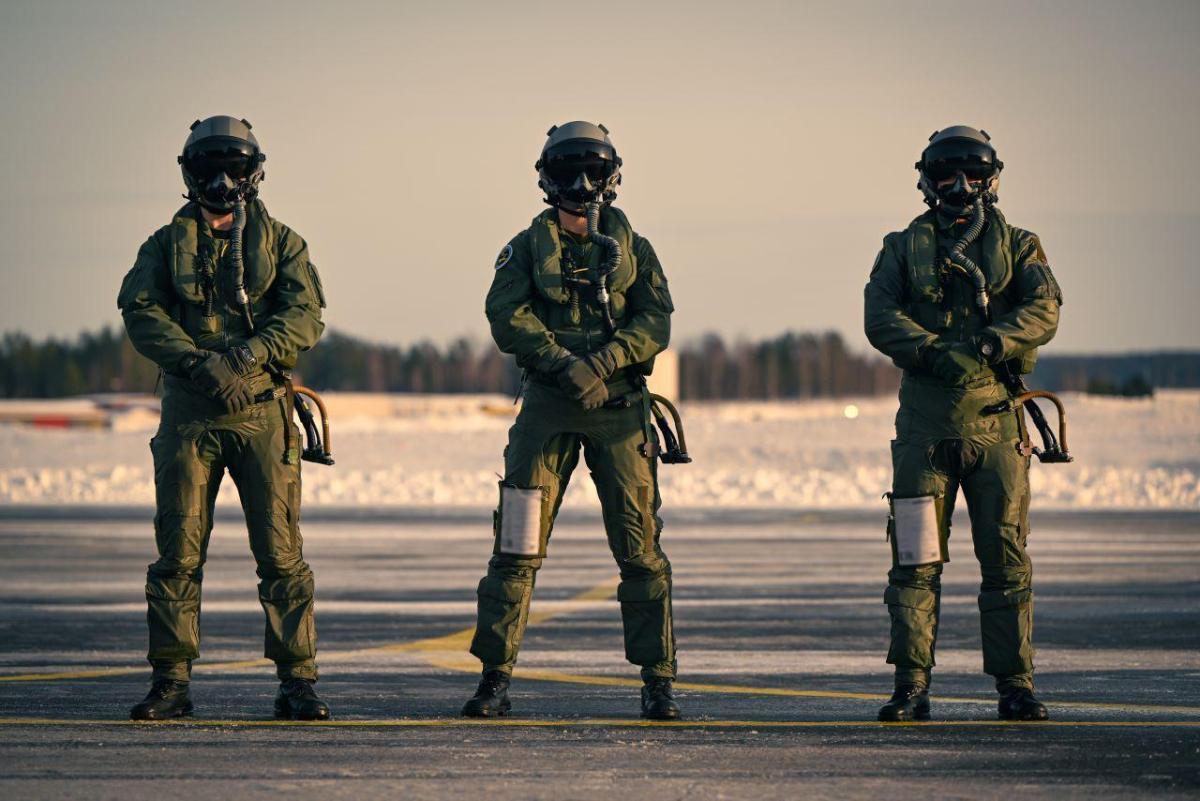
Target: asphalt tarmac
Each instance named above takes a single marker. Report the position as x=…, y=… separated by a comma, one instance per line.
x=782, y=634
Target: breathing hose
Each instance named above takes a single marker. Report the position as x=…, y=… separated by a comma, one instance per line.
x=608, y=266
x=960, y=260
x=1052, y=450
x=239, y=266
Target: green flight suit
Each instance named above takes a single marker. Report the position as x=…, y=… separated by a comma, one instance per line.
x=174, y=304
x=916, y=307
x=540, y=317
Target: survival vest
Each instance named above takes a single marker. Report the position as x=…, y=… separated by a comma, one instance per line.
x=198, y=268
x=927, y=277
x=572, y=313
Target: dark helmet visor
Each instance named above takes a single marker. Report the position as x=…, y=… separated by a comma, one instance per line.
x=566, y=161
x=976, y=160
x=565, y=170
x=211, y=157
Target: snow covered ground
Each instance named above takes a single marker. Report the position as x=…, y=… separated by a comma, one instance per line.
x=445, y=452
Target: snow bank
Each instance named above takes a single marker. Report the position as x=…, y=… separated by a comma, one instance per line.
x=445, y=451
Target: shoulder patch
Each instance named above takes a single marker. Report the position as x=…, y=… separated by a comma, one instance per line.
x=504, y=257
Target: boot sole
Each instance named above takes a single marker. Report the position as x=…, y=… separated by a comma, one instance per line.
x=502, y=712
x=1025, y=718
x=675, y=716
x=185, y=712
x=283, y=714
x=919, y=716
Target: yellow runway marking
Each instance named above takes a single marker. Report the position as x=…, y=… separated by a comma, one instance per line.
x=449, y=652
x=785, y=692
x=453, y=723
x=455, y=643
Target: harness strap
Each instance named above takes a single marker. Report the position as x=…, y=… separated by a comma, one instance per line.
x=288, y=401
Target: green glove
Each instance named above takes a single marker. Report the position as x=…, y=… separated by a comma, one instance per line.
x=581, y=381
x=219, y=377
x=603, y=362
x=958, y=363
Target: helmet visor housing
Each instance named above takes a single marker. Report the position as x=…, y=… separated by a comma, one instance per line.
x=944, y=160
x=563, y=163
x=564, y=170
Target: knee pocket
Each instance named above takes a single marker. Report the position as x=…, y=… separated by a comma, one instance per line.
x=644, y=590
x=645, y=566
x=911, y=598
x=506, y=591
x=1006, y=579
x=184, y=568
x=646, y=616
x=291, y=633
x=173, y=589
x=287, y=588
x=1004, y=599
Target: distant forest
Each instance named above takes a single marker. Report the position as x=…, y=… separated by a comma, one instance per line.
x=793, y=365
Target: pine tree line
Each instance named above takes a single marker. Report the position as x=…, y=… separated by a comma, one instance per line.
x=94, y=362
x=793, y=365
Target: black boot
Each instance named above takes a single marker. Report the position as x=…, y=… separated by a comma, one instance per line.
x=166, y=699
x=297, y=700
x=491, y=698
x=909, y=702
x=1018, y=703
x=658, y=700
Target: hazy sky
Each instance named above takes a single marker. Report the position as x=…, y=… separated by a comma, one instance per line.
x=768, y=146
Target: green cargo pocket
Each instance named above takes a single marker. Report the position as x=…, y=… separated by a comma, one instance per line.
x=1047, y=284
x=173, y=615
x=179, y=477
x=628, y=517
x=293, y=511
x=910, y=598
x=661, y=290
x=288, y=603
x=646, y=617
x=499, y=590
x=317, y=287
x=1006, y=626
x=180, y=501
x=913, y=614
x=269, y=518
x=1002, y=599
x=500, y=624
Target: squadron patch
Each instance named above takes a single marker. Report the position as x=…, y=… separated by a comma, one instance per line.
x=504, y=257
